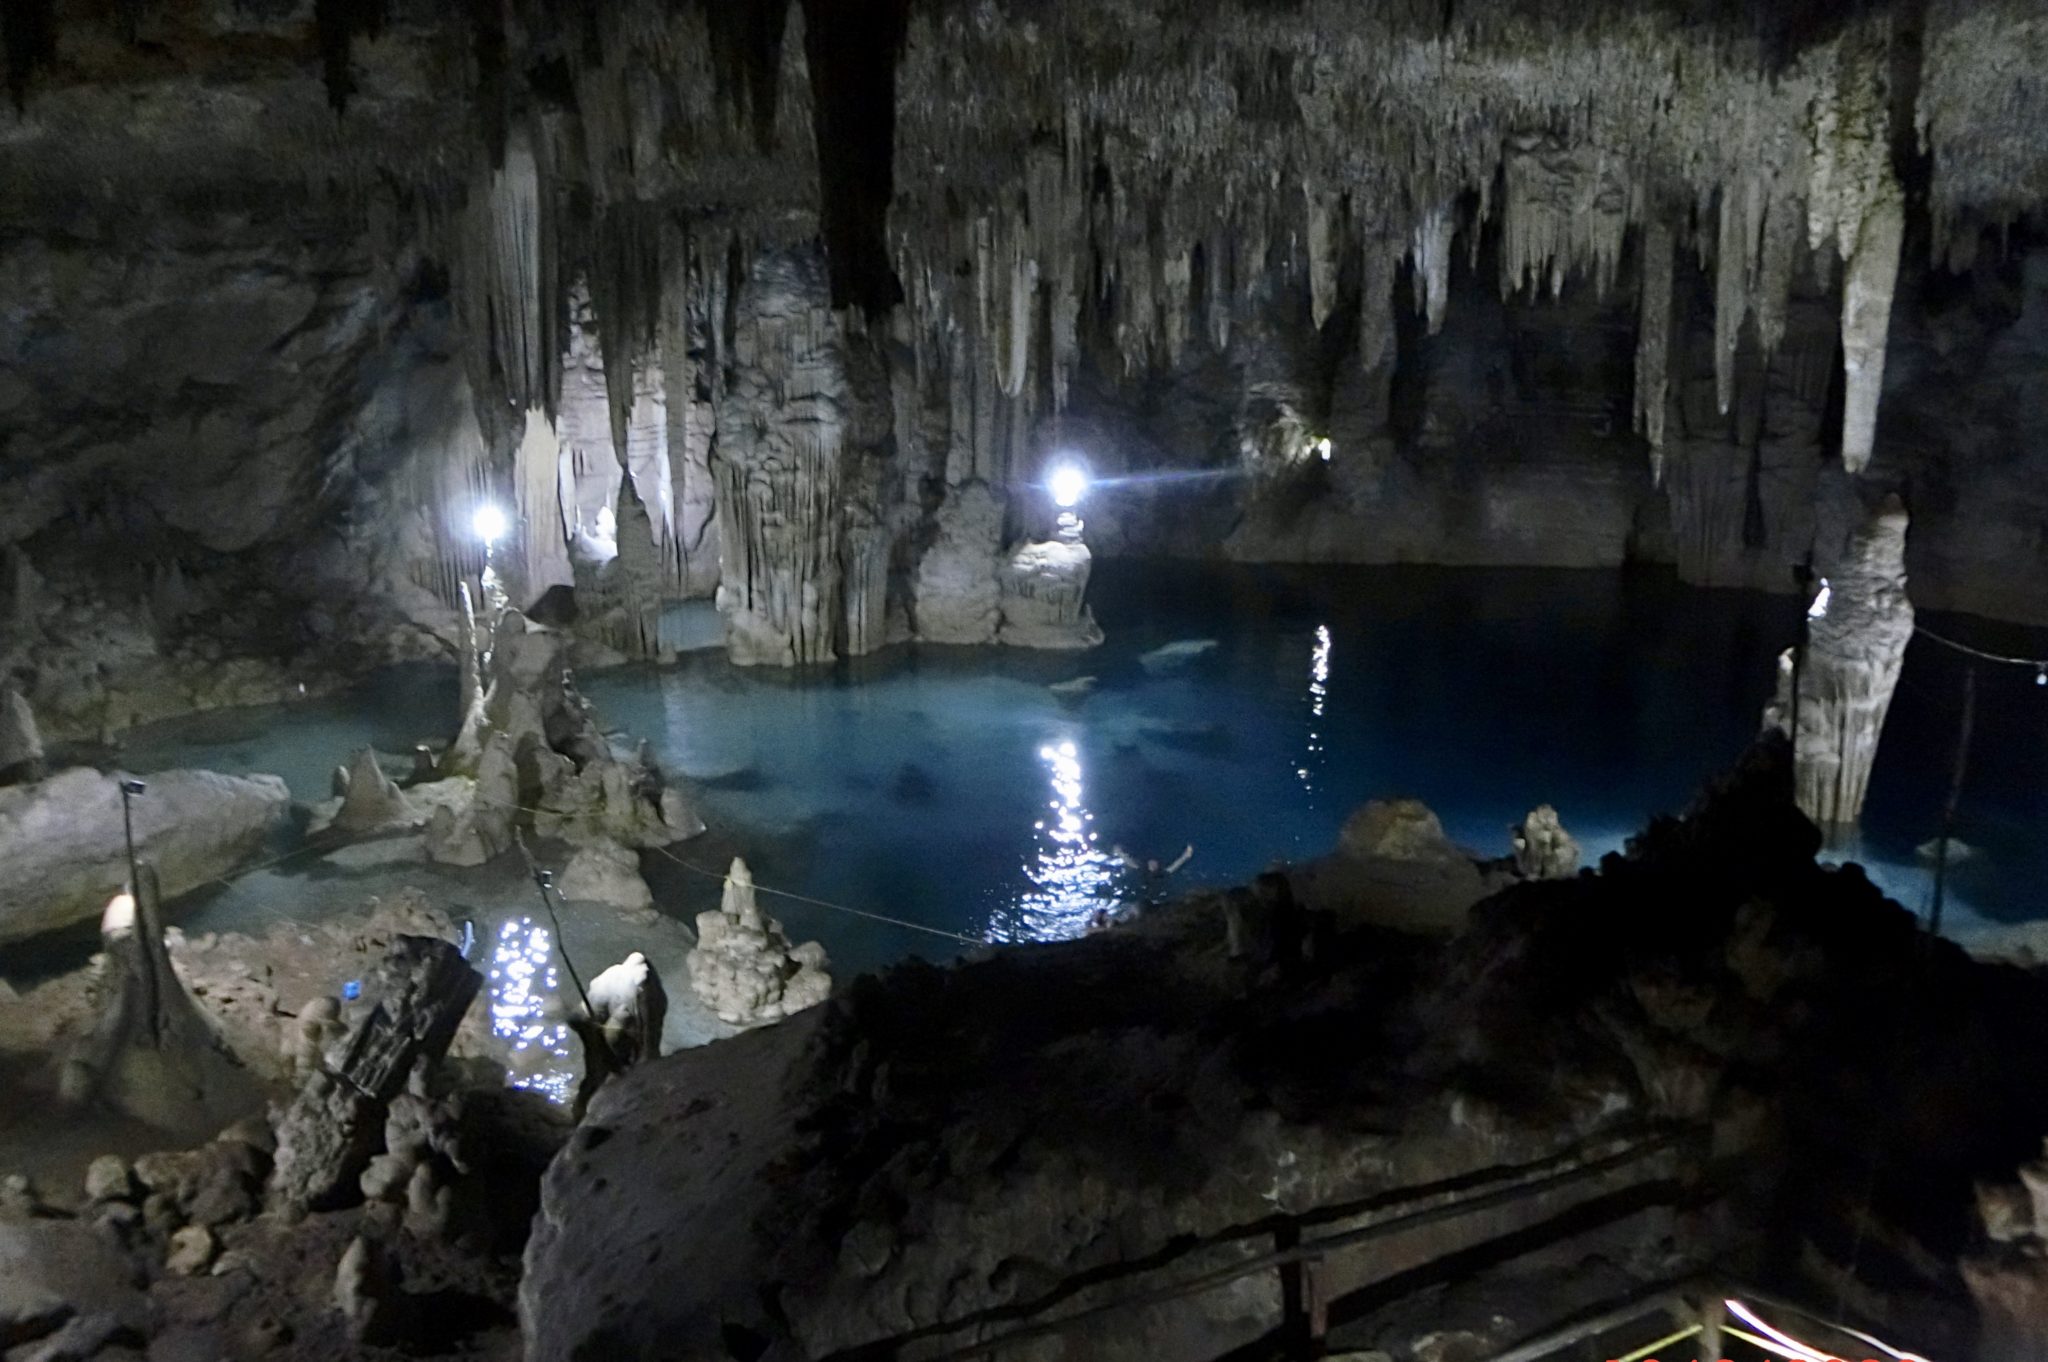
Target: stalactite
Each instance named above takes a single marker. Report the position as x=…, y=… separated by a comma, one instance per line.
x=1731, y=297
x=1653, y=340
x=544, y=532
x=1323, y=246
x=1856, y=201
x=1867, y=288
x=1378, y=267
x=508, y=256
x=625, y=294
x=1432, y=252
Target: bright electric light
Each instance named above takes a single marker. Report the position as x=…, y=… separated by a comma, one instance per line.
x=489, y=523
x=1068, y=484
x=1322, y=448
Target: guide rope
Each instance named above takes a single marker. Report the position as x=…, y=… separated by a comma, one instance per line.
x=2039, y=664
x=763, y=888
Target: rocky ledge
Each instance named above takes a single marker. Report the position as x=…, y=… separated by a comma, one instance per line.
x=942, y=1156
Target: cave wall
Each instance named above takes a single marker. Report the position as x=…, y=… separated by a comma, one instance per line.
x=284, y=298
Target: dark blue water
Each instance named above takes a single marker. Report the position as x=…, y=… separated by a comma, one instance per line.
x=952, y=787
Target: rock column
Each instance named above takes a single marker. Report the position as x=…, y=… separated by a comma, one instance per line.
x=1856, y=645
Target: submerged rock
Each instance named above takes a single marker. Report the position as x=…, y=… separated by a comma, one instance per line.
x=1176, y=655
x=61, y=839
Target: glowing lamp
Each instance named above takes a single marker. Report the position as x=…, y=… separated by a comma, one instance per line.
x=489, y=523
x=1068, y=483
x=1321, y=447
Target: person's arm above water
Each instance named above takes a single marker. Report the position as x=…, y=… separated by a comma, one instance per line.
x=1187, y=854
x=1130, y=862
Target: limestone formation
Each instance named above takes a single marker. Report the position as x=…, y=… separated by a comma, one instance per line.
x=1856, y=646
x=151, y=1054
x=1543, y=849
x=21, y=745
x=1397, y=830
x=371, y=800
x=607, y=873
x=1043, y=591
x=958, y=593
x=61, y=839
x=744, y=967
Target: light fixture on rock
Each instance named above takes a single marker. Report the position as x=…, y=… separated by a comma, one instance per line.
x=1068, y=483
x=489, y=523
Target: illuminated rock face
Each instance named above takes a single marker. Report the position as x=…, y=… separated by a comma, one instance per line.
x=1851, y=664
x=61, y=839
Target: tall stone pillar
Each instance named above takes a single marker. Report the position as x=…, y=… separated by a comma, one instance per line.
x=1856, y=645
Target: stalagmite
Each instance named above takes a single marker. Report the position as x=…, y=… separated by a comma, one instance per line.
x=1653, y=341
x=1856, y=645
x=744, y=968
x=152, y=1054
x=372, y=802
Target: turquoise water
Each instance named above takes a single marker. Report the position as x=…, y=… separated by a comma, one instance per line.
x=955, y=788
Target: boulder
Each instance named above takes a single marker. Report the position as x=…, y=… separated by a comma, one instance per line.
x=1397, y=830
x=605, y=872
x=61, y=839
x=54, y=1273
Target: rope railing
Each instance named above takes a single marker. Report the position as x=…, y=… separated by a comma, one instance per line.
x=2039, y=665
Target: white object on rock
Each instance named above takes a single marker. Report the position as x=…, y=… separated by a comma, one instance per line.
x=744, y=967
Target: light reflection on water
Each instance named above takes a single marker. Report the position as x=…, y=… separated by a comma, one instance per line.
x=1071, y=877
x=1318, y=694
x=525, y=1010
